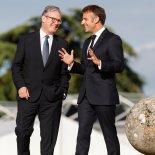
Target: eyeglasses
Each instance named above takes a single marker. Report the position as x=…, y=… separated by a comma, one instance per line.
x=54, y=20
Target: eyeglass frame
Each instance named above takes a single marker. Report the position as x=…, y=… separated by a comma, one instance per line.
x=54, y=19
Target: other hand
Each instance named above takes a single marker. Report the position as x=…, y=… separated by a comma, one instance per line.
x=93, y=57
x=23, y=93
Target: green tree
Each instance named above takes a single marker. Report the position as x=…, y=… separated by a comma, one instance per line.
x=71, y=30
x=7, y=89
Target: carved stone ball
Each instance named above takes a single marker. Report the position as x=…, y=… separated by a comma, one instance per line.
x=140, y=126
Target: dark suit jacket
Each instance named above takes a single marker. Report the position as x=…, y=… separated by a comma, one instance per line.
x=99, y=85
x=28, y=69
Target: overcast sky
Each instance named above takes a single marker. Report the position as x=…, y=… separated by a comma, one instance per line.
x=133, y=20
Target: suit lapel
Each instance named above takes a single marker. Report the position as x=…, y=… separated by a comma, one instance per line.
x=102, y=36
x=53, y=50
x=37, y=48
x=85, y=48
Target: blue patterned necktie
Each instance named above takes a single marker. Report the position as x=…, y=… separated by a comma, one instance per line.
x=45, y=50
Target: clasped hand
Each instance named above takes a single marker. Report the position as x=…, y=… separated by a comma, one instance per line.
x=23, y=93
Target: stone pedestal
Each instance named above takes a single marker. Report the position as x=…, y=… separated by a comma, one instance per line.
x=140, y=126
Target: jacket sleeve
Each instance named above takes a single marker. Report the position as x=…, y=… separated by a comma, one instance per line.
x=79, y=68
x=17, y=65
x=65, y=76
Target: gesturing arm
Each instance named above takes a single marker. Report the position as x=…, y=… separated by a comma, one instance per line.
x=73, y=66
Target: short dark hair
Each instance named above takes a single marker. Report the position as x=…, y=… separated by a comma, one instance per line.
x=98, y=11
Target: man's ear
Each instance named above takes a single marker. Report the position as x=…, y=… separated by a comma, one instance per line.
x=96, y=19
x=43, y=18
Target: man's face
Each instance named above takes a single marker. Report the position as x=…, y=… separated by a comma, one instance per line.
x=88, y=21
x=51, y=22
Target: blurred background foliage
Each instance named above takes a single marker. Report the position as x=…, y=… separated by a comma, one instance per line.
x=128, y=81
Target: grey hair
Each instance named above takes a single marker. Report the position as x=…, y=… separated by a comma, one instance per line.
x=50, y=8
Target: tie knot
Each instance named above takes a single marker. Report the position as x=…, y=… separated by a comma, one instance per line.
x=46, y=37
x=93, y=37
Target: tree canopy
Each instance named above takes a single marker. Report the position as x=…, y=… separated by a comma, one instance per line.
x=128, y=81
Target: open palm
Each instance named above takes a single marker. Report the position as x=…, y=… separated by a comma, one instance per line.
x=65, y=57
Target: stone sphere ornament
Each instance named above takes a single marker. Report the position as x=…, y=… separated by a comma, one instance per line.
x=140, y=126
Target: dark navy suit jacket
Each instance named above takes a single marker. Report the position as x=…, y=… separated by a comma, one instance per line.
x=99, y=85
x=28, y=69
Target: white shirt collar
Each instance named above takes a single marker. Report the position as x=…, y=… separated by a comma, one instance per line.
x=43, y=34
x=98, y=33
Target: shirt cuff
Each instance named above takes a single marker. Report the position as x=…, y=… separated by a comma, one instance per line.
x=70, y=67
x=99, y=66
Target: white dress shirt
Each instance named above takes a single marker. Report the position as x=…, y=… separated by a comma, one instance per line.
x=98, y=33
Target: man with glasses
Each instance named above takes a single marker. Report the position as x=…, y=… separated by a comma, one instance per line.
x=41, y=79
x=102, y=57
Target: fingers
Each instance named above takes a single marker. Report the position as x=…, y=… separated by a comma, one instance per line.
x=91, y=53
x=23, y=93
x=91, y=58
x=27, y=94
x=64, y=51
x=61, y=54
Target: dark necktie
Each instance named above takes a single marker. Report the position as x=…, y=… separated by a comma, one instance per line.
x=92, y=43
x=45, y=50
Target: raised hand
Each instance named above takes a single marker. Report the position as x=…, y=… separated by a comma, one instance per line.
x=93, y=57
x=65, y=57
